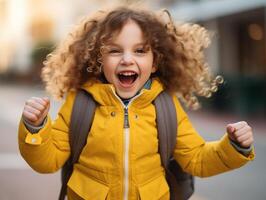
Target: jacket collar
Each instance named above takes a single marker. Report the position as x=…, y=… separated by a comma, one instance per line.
x=104, y=93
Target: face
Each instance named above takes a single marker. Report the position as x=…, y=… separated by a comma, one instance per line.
x=127, y=61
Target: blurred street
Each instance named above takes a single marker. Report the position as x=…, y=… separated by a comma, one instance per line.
x=18, y=181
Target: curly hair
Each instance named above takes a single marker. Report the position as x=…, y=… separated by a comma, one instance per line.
x=178, y=53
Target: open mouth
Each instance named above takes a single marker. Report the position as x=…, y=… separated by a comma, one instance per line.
x=127, y=78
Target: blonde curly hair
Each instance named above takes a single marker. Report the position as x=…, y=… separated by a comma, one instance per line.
x=178, y=53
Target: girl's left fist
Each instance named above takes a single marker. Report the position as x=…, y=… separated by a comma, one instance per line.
x=240, y=133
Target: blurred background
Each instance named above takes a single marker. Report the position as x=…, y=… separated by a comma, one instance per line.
x=30, y=29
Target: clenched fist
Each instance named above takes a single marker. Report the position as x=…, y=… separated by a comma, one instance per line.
x=240, y=133
x=35, y=110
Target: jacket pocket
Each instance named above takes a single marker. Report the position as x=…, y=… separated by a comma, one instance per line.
x=157, y=189
x=86, y=187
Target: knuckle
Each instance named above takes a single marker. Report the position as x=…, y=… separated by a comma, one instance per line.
x=27, y=108
x=27, y=102
x=24, y=115
x=240, y=139
x=235, y=134
x=30, y=102
x=244, y=143
x=31, y=99
x=38, y=113
x=42, y=108
x=34, y=118
x=244, y=122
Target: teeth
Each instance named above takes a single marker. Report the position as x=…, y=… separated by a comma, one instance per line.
x=127, y=73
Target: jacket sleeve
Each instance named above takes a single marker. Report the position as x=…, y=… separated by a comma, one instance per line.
x=48, y=150
x=201, y=158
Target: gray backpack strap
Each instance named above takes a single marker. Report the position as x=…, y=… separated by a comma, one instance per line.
x=181, y=184
x=80, y=124
x=166, y=125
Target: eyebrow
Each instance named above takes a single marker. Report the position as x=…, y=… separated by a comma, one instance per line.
x=114, y=44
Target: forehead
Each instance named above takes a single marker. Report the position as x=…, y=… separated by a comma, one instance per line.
x=130, y=32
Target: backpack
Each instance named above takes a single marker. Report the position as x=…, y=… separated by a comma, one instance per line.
x=181, y=184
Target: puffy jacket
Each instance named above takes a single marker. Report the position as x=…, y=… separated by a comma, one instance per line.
x=120, y=162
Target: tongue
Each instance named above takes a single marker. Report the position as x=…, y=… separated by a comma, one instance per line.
x=128, y=80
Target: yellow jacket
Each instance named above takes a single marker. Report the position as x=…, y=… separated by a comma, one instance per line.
x=118, y=162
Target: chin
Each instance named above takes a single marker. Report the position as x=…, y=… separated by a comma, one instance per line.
x=126, y=95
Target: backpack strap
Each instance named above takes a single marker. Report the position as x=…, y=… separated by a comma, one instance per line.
x=166, y=125
x=80, y=124
x=181, y=184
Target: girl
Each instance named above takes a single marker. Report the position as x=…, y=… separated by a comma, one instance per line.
x=124, y=58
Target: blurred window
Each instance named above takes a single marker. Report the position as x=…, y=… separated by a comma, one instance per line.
x=252, y=48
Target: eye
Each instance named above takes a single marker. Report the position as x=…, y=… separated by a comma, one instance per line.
x=114, y=51
x=140, y=51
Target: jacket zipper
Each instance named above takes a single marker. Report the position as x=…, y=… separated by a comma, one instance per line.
x=126, y=154
x=126, y=127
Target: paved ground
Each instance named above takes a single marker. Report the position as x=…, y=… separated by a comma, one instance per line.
x=18, y=181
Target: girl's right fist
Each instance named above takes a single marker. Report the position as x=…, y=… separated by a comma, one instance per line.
x=35, y=110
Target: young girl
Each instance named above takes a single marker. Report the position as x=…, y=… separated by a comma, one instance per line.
x=124, y=58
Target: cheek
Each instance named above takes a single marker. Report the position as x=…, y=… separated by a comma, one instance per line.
x=110, y=62
x=109, y=67
x=150, y=60
x=149, y=65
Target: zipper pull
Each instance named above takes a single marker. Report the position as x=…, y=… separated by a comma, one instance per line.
x=126, y=122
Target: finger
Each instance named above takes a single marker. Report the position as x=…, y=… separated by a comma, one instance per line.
x=247, y=143
x=230, y=129
x=42, y=101
x=46, y=99
x=28, y=116
x=244, y=137
x=242, y=131
x=35, y=104
x=239, y=125
x=33, y=110
x=46, y=110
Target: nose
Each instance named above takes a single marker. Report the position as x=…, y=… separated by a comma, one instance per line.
x=127, y=59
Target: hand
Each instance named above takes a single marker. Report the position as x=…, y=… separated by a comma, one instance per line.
x=240, y=133
x=35, y=110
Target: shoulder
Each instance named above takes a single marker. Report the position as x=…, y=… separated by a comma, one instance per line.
x=70, y=97
x=68, y=102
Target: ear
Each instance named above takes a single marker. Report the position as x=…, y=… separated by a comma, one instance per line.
x=154, y=69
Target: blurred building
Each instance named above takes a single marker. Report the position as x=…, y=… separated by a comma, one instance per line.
x=239, y=27
x=238, y=49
